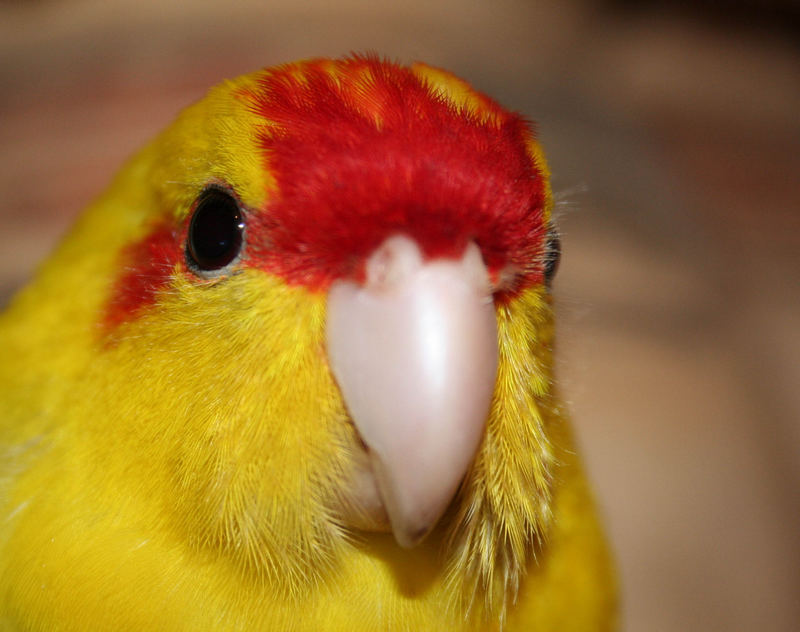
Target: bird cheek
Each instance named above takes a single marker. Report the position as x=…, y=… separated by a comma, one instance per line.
x=146, y=269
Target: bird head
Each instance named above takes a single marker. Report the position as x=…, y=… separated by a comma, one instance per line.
x=320, y=309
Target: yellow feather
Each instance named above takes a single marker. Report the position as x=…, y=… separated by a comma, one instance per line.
x=183, y=471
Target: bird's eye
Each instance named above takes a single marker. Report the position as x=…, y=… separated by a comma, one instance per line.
x=216, y=231
x=552, y=255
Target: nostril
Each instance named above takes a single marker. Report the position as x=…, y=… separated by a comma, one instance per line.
x=475, y=269
x=392, y=262
x=399, y=257
x=506, y=279
x=379, y=270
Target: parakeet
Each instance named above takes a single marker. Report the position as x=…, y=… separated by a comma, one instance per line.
x=293, y=370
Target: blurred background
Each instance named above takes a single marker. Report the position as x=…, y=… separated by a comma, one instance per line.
x=673, y=131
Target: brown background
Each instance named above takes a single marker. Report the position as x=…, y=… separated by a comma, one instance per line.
x=674, y=137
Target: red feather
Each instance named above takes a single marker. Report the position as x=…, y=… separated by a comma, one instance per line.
x=374, y=150
x=148, y=268
x=359, y=155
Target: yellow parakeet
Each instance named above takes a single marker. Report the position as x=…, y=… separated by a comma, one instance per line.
x=293, y=371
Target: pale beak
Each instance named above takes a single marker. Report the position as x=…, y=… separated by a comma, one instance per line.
x=414, y=352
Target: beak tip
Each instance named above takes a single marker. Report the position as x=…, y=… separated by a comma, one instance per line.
x=410, y=537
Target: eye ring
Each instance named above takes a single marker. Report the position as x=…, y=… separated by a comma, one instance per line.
x=216, y=232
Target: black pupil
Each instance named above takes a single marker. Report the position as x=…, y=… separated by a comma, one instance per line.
x=552, y=256
x=215, y=232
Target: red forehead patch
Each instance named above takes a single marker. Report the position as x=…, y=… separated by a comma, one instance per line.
x=362, y=149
